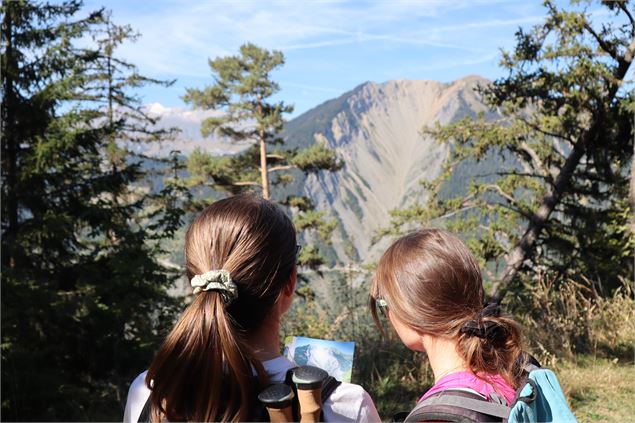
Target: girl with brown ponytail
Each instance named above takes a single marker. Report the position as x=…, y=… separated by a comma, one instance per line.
x=430, y=287
x=240, y=257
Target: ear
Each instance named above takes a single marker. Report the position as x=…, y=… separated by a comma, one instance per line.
x=289, y=288
x=286, y=295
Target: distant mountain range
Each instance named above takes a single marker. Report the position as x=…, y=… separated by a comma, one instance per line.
x=188, y=122
x=375, y=130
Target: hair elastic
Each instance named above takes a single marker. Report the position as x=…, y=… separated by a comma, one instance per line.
x=216, y=280
x=484, y=330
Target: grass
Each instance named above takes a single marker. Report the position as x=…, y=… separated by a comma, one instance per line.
x=599, y=390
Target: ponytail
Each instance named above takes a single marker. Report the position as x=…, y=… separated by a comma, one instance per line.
x=202, y=359
x=239, y=256
x=491, y=344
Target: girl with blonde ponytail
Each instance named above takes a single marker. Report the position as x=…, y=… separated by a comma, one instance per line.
x=430, y=288
x=240, y=257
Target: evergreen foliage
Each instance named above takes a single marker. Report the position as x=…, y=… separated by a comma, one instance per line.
x=84, y=297
x=566, y=133
x=242, y=92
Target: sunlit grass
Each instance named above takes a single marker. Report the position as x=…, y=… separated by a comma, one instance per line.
x=599, y=390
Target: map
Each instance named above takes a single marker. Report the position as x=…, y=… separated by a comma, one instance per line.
x=335, y=357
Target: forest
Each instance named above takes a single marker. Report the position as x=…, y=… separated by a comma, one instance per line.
x=537, y=180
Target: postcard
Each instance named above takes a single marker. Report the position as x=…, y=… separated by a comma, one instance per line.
x=336, y=357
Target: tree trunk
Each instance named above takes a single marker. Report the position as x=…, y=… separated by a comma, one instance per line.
x=263, y=166
x=632, y=194
x=525, y=247
x=264, y=172
x=8, y=131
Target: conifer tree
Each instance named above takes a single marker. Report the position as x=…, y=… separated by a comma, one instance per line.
x=565, y=134
x=83, y=296
x=242, y=91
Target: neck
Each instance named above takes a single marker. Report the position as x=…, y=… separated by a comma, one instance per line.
x=265, y=341
x=444, y=358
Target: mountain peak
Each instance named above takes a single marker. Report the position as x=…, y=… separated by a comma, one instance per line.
x=376, y=131
x=473, y=78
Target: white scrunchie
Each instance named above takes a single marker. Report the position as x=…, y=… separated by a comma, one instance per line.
x=216, y=280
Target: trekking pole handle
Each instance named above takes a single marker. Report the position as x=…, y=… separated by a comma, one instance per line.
x=278, y=400
x=308, y=380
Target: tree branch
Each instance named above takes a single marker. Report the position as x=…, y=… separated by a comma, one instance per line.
x=535, y=159
x=452, y=213
x=246, y=183
x=275, y=156
x=536, y=127
x=622, y=5
x=524, y=174
x=499, y=190
x=283, y=167
x=606, y=47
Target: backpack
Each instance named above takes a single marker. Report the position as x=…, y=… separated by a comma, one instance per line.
x=260, y=413
x=539, y=399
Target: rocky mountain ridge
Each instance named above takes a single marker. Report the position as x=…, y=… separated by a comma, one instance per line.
x=376, y=131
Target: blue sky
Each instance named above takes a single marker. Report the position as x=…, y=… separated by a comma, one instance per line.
x=330, y=46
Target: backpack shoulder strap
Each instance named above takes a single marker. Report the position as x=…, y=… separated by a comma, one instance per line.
x=457, y=406
x=144, y=417
x=329, y=385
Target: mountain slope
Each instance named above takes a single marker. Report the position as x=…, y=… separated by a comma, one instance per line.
x=375, y=130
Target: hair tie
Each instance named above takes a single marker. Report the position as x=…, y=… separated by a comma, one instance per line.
x=485, y=330
x=490, y=310
x=216, y=280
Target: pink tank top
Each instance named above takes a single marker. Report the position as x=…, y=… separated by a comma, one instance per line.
x=493, y=383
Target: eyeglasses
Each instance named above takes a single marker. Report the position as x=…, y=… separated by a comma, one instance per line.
x=382, y=305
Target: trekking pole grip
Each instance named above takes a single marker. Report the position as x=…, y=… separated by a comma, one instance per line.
x=308, y=380
x=278, y=401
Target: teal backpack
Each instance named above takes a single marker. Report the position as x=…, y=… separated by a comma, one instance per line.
x=540, y=399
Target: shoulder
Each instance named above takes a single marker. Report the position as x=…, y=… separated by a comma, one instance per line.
x=138, y=394
x=350, y=402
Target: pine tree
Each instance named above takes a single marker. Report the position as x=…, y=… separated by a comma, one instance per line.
x=242, y=92
x=84, y=298
x=565, y=136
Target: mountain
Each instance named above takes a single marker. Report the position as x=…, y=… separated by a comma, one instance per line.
x=188, y=123
x=375, y=129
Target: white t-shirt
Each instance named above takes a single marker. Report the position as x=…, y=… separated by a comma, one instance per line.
x=348, y=403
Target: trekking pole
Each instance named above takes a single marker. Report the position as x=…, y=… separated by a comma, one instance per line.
x=278, y=399
x=308, y=380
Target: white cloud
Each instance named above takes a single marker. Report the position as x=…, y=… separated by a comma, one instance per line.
x=178, y=37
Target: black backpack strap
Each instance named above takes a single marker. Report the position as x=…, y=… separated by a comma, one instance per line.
x=329, y=385
x=144, y=417
x=458, y=406
x=528, y=364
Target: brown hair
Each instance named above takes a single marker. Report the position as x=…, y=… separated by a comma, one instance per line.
x=431, y=282
x=204, y=369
